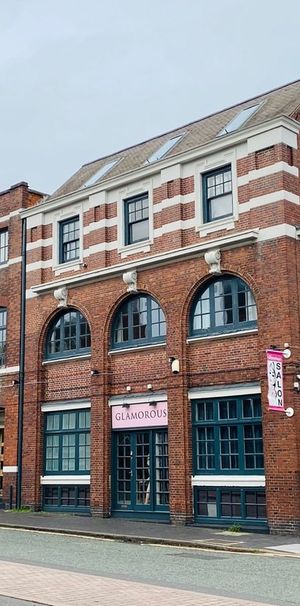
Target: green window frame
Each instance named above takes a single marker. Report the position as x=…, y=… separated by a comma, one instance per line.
x=68, y=335
x=245, y=506
x=136, y=214
x=69, y=240
x=227, y=436
x=217, y=194
x=3, y=336
x=138, y=321
x=3, y=246
x=62, y=497
x=67, y=442
x=223, y=305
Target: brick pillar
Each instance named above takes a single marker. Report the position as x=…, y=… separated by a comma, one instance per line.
x=179, y=450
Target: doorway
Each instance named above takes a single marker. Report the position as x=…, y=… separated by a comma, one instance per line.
x=141, y=473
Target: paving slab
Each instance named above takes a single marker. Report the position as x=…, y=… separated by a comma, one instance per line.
x=65, y=588
x=137, y=531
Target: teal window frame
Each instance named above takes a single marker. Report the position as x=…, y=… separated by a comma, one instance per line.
x=3, y=246
x=227, y=436
x=69, y=239
x=62, y=498
x=237, y=305
x=61, y=336
x=63, y=444
x=3, y=336
x=237, y=502
x=139, y=326
x=215, y=192
x=136, y=212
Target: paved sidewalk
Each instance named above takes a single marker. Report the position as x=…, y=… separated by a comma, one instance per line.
x=65, y=588
x=128, y=530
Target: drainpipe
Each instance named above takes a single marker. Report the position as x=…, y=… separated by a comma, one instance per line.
x=22, y=367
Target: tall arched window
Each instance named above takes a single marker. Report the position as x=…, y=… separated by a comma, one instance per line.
x=138, y=321
x=68, y=335
x=225, y=304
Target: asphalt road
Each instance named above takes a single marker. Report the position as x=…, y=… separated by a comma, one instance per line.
x=267, y=579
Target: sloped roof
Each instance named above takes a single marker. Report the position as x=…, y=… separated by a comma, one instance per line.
x=280, y=101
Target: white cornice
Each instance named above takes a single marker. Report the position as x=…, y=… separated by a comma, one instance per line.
x=243, y=238
x=217, y=144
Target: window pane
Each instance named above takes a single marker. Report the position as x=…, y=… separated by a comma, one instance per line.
x=139, y=319
x=69, y=335
x=3, y=322
x=220, y=207
x=3, y=246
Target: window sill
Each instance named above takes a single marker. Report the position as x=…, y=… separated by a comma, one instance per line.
x=132, y=249
x=6, y=370
x=208, y=228
x=71, y=265
x=67, y=479
x=66, y=359
x=240, y=333
x=4, y=265
x=248, y=480
x=135, y=348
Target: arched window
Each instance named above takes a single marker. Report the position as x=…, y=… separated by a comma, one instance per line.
x=223, y=305
x=139, y=320
x=68, y=335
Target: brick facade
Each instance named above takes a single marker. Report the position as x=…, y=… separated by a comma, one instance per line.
x=258, y=244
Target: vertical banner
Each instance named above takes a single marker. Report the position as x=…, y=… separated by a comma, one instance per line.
x=275, y=379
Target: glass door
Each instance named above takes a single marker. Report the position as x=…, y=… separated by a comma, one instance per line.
x=141, y=472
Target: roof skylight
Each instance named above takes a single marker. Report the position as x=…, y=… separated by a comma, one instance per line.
x=100, y=173
x=164, y=149
x=239, y=120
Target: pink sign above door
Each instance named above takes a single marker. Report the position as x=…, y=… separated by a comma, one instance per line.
x=139, y=415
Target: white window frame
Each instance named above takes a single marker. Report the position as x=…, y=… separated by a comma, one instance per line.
x=123, y=194
x=63, y=215
x=208, y=164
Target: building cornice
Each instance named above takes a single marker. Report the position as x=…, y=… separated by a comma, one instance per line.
x=217, y=144
x=229, y=241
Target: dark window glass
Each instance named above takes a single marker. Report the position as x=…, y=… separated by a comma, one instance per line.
x=207, y=503
x=3, y=246
x=217, y=194
x=255, y=504
x=139, y=320
x=67, y=442
x=68, y=335
x=66, y=497
x=225, y=305
x=136, y=219
x=230, y=503
x=69, y=240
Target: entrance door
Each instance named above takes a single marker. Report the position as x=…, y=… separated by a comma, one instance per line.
x=141, y=472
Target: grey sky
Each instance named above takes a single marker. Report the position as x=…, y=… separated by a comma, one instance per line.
x=83, y=78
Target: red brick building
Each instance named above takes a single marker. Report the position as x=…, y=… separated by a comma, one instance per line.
x=156, y=279
x=19, y=197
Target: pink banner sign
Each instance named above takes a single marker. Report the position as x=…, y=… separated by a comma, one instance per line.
x=275, y=379
x=139, y=415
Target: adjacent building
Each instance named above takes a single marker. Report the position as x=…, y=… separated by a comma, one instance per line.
x=12, y=201
x=156, y=279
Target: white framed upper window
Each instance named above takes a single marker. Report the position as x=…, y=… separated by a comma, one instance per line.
x=216, y=192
